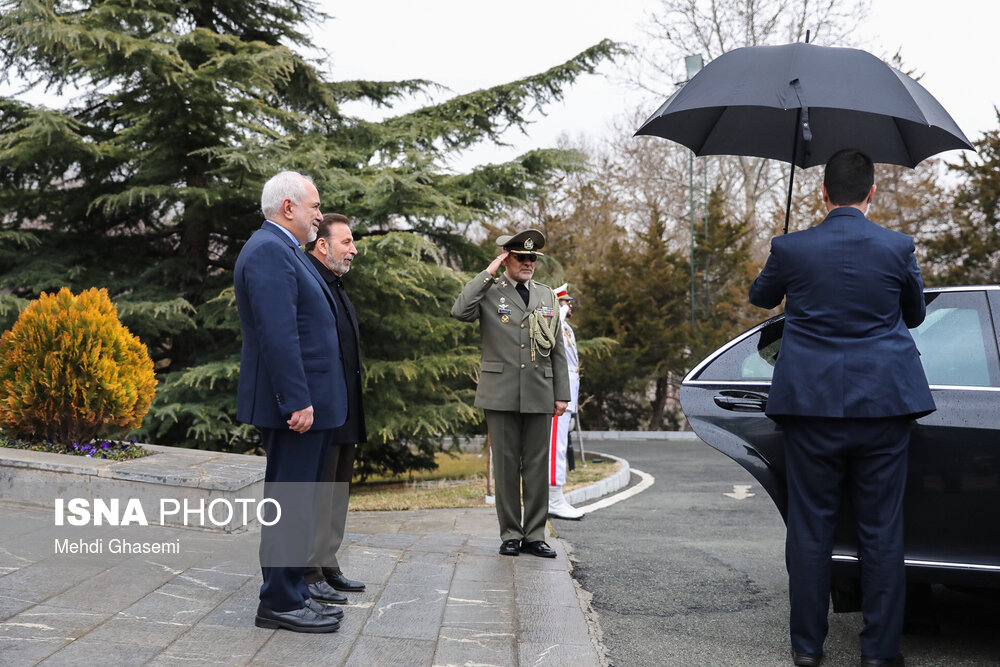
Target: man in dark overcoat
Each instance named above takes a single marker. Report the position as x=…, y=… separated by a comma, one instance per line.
x=332, y=252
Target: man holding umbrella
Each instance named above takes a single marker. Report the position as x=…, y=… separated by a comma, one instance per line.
x=847, y=384
x=848, y=380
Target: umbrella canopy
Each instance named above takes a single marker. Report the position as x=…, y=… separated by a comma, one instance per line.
x=801, y=103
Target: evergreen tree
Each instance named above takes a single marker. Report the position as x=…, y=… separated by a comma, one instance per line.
x=723, y=273
x=966, y=249
x=639, y=300
x=147, y=182
x=417, y=357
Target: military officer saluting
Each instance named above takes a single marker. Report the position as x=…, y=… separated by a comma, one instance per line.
x=522, y=383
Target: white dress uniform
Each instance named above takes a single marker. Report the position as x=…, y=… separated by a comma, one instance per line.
x=559, y=508
x=560, y=441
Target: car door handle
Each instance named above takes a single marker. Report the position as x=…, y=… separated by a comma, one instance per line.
x=741, y=401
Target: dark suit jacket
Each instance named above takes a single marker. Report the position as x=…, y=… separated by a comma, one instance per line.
x=852, y=289
x=291, y=353
x=353, y=431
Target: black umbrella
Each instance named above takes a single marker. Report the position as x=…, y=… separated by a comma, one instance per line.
x=801, y=103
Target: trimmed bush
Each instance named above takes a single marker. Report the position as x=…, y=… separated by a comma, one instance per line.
x=70, y=371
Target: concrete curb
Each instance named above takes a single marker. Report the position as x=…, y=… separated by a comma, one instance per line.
x=477, y=442
x=618, y=480
x=187, y=475
x=172, y=466
x=639, y=435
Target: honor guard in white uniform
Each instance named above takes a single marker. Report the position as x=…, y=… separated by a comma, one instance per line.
x=559, y=507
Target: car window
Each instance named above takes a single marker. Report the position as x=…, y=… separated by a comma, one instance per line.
x=752, y=359
x=956, y=341
x=758, y=364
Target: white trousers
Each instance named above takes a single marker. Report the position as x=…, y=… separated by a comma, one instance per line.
x=559, y=442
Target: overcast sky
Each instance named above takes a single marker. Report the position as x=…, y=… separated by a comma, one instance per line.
x=471, y=44
x=466, y=45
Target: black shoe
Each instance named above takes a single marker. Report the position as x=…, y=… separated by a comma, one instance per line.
x=342, y=583
x=323, y=592
x=538, y=548
x=325, y=610
x=883, y=662
x=297, y=620
x=510, y=547
x=806, y=659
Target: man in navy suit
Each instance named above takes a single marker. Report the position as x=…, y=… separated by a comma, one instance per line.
x=332, y=252
x=847, y=385
x=292, y=387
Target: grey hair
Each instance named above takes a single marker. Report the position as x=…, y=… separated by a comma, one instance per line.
x=283, y=185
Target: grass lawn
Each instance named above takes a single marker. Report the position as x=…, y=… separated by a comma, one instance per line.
x=459, y=481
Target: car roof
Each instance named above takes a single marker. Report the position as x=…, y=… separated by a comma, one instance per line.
x=963, y=288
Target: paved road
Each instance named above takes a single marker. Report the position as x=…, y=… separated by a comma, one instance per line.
x=681, y=574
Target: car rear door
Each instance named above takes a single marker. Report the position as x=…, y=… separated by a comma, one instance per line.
x=724, y=398
x=953, y=485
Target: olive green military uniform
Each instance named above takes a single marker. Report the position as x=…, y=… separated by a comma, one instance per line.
x=519, y=384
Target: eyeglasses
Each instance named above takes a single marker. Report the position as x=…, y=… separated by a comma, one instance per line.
x=525, y=258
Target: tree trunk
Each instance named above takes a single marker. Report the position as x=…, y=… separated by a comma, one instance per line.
x=659, y=401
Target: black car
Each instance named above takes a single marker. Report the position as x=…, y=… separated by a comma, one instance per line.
x=952, y=502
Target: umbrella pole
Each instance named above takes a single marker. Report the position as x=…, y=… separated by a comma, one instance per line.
x=791, y=175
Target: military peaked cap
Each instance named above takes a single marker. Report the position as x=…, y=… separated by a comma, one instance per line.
x=526, y=242
x=562, y=293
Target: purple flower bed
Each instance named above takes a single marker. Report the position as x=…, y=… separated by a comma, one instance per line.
x=115, y=450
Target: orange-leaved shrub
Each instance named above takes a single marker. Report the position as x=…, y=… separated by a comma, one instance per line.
x=70, y=371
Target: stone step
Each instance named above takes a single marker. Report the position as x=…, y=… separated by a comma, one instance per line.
x=171, y=474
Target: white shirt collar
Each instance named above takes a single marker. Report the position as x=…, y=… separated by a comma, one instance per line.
x=287, y=233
